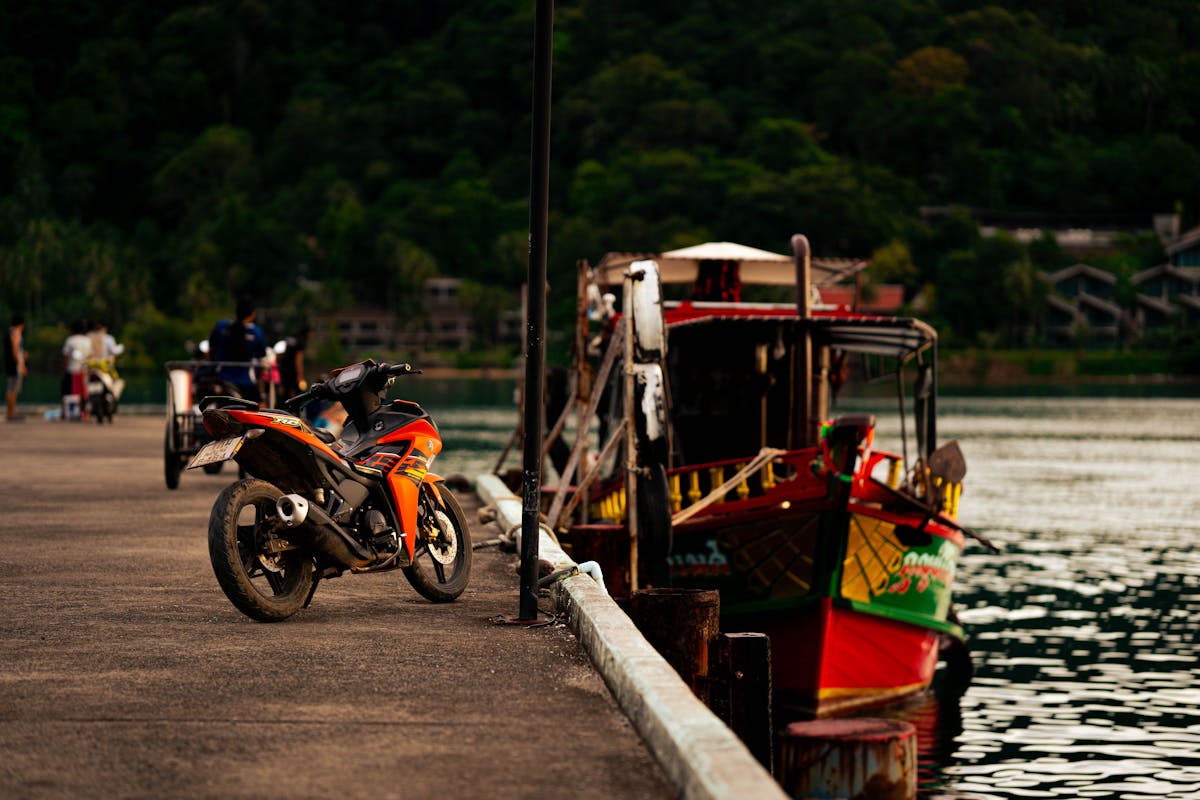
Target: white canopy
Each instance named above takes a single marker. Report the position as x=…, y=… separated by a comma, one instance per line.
x=758, y=267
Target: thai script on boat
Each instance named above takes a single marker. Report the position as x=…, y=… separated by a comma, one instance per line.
x=924, y=568
x=691, y=565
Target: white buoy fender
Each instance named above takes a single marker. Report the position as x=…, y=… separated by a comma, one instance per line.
x=646, y=305
x=653, y=405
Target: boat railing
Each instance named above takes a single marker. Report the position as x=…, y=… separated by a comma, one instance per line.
x=738, y=482
x=693, y=489
x=937, y=491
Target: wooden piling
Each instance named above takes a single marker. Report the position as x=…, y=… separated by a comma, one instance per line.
x=679, y=623
x=849, y=758
x=740, y=690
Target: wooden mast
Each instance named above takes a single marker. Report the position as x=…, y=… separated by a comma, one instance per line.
x=806, y=415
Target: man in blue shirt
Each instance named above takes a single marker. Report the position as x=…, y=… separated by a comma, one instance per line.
x=239, y=340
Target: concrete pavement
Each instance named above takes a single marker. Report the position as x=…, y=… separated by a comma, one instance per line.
x=124, y=671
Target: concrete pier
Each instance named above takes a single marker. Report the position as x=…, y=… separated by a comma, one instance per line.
x=125, y=672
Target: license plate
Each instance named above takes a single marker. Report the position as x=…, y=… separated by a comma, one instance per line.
x=211, y=453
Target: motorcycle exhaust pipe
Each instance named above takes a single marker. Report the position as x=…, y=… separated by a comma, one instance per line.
x=321, y=532
x=292, y=509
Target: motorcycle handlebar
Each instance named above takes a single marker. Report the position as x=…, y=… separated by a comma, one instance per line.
x=321, y=390
x=399, y=369
x=294, y=404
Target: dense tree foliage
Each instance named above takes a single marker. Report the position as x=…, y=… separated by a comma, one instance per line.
x=157, y=158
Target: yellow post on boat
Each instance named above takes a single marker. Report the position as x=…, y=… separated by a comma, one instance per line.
x=676, y=494
x=716, y=476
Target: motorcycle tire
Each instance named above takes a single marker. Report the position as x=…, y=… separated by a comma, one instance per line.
x=172, y=465
x=440, y=568
x=268, y=589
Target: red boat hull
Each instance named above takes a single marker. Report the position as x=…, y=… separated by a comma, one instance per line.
x=828, y=659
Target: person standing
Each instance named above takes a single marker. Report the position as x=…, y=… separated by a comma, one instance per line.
x=104, y=346
x=239, y=340
x=15, y=369
x=76, y=351
x=291, y=363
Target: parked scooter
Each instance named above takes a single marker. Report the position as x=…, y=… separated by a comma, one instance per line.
x=319, y=506
x=104, y=390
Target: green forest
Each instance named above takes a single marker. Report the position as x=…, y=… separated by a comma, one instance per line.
x=157, y=159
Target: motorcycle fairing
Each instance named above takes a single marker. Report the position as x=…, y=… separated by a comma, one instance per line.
x=415, y=444
x=392, y=423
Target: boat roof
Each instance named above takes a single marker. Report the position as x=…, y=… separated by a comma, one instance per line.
x=896, y=337
x=757, y=267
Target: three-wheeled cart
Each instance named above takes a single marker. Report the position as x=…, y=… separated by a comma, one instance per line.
x=189, y=382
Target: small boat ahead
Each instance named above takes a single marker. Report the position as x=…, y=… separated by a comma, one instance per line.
x=707, y=409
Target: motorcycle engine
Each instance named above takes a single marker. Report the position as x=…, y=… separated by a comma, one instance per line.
x=380, y=535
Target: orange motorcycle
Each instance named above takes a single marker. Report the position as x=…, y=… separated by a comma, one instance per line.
x=317, y=506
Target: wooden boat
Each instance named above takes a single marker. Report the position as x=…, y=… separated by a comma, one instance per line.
x=720, y=406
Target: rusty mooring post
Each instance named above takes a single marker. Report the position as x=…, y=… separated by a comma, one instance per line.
x=679, y=623
x=849, y=758
x=740, y=690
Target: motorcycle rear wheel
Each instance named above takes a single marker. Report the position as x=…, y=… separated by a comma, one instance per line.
x=433, y=578
x=263, y=587
x=172, y=463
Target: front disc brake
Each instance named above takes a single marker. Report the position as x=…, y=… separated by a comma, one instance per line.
x=272, y=562
x=443, y=547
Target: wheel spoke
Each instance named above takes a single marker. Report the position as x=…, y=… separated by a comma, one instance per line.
x=440, y=570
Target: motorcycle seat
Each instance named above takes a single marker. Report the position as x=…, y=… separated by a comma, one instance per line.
x=221, y=401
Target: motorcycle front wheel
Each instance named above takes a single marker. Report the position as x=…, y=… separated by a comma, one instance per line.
x=265, y=586
x=441, y=563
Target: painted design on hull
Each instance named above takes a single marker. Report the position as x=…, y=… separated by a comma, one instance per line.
x=710, y=562
x=873, y=555
x=889, y=568
x=766, y=559
x=777, y=558
x=886, y=575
